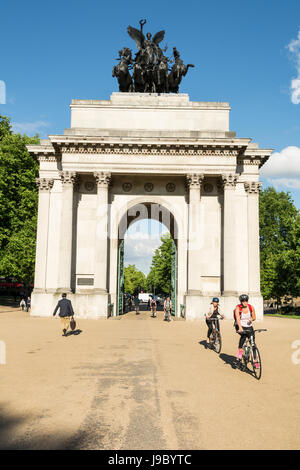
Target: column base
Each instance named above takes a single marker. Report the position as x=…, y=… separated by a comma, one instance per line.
x=62, y=290
x=84, y=305
x=197, y=305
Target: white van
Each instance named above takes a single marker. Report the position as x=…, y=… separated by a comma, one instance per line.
x=144, y=297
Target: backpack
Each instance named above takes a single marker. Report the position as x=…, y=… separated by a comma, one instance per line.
x=240, y=310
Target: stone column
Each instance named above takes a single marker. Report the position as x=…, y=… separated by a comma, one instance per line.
x=252, y=188
x=195, y=228
x=66, y=229
x=229, y=236
x=44, y=185
x=101, y=241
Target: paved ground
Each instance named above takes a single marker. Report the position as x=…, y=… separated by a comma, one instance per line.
x=141, y=383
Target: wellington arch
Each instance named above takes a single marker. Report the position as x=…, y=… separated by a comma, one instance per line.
x=159, y=153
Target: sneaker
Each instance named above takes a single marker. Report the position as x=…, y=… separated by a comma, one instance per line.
x=240, y=355
x=64, y=332
x=257, y=365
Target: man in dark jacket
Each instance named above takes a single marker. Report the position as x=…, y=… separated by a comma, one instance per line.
x=65, y=312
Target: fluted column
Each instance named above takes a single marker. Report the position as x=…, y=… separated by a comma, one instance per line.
x=230, y=233
x=252, y=188
x=66, y=229
x=44, y=185
x=194, y=182
x=101, y=242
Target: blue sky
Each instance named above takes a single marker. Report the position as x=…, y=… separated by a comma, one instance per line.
x=245, y=52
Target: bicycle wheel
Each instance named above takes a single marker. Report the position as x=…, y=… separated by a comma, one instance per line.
x=218, y=343
x=256, y=370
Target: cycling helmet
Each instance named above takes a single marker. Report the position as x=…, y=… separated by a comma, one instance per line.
x=244, y=298
x=215, y=299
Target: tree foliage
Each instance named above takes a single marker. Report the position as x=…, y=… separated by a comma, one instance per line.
x=134, y=280
x=159, y=277
x=279, y=244
x=18, y=203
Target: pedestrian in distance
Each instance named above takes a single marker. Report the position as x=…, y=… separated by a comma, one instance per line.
x=23, y=304
x=28, y=304
x=153, y=307
x=65, y=312
x=137, y=304
x=167, y=309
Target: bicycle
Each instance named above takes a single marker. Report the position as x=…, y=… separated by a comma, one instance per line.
x=249, y=357
x=215, y=339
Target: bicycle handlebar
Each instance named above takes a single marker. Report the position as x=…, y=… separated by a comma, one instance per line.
x=213, y=319
x=254, y=331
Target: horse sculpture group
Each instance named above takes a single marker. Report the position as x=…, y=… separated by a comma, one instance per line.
x=150, y=68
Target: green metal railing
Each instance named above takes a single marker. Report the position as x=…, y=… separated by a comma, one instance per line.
x=110, y=310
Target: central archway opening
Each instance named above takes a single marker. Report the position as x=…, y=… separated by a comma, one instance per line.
x=147, y=254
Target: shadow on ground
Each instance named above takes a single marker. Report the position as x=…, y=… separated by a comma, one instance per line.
x=230, y=360
x=6, y=301
x=9, y=439
x=74, y=332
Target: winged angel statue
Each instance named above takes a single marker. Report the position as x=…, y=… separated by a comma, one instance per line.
x=150, y=67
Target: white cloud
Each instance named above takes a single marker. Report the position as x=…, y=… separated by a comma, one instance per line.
x=283, y=165
x=141, y=241
x=29, y=128
x=294, y=48
x=290, y=183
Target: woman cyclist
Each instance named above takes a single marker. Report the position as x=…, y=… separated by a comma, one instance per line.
x=244, y=315
x=213, y=312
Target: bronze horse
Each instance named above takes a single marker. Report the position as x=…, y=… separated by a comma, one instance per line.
x=121, y=71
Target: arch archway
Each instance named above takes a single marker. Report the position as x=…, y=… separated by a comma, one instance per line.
x=151, y=211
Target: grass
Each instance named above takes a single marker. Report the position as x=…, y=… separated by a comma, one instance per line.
x=279, y=315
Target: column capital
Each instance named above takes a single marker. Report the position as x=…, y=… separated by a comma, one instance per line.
x=103, y=178
x=44, y=184
x=229, y=181
x=252, y=187
x=194, y=180
x=68, y=178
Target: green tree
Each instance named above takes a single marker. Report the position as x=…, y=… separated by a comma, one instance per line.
x=134, y=280
x=159, y=277
x=18, y=204
x=279, y=244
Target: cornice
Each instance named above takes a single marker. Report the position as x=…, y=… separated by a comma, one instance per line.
x=144, y=149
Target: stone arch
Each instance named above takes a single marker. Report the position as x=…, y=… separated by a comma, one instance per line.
x=141, y=208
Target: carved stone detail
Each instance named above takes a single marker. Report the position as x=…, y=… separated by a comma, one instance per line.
x=127, y=187
x=208, y=187
x=68, y=178
x=194, y=180
x=252, y=187
x=170, y=187
x=243, y=161
x=44, y=184
x=229, y=181
x=149, y=149
x=148, y=187
x=103, y=179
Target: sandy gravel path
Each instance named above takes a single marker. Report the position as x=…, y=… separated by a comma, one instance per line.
x=141, y=383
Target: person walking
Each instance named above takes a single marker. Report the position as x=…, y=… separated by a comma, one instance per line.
x=65, y=312
x=28, y=304
x=167, y=309
x=153, y=306
x=23, y=304
x=137, y=304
